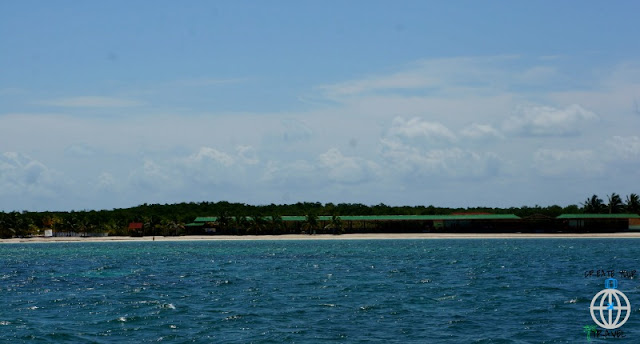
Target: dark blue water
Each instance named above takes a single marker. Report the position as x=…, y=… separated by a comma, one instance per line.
x=347, y=291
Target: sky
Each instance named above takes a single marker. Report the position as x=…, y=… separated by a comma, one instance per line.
x=112, y=104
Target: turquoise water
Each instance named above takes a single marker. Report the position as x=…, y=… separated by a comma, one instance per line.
x=346, y=291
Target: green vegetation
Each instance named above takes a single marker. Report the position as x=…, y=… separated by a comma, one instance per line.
x=242, y=219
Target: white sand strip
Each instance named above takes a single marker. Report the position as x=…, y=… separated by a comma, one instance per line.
x=368, y=236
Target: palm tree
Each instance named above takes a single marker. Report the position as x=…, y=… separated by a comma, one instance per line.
x=335, y=225
x=240, y=225
x=161, y=227
x=593, y=205
x=23, y=225
x=310, y=224
x=633, y=203
x=83, y=225
x=111, y=227
x=71, y=224
x=7, y=225
x=615, y=203
x=257, y=224
x=276, y=224
x=150, y=225
x=222, y=221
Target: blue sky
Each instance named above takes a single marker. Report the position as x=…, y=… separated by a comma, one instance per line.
x=467, y=103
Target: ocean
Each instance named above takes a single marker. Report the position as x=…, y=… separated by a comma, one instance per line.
x=329, y=291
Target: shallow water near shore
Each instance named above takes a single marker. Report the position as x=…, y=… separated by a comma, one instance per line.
x=312, y=291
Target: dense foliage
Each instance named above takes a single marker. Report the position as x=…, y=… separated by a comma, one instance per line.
x=169, y=219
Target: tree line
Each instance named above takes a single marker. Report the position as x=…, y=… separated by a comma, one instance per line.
x=240, y=218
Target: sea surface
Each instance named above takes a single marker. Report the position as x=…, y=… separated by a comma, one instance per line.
x=337, y=291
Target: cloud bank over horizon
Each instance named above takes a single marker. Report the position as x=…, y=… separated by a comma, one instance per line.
x=457, y=129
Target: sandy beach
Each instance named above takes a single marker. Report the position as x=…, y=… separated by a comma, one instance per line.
x=368, y=236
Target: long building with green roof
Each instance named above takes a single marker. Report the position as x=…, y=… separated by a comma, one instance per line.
x=379, y=223
x=478, y=223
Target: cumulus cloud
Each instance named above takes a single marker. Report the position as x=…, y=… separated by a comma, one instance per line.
x=154, y=177
x=438, y=120
x=548, y=121
x=327, y=168
x=206, y=167
x=212, y=155
x=480, y=131
x=20, y=174
x=292, y=174
x=247, y=155
x=345, y=169
x=210, y=166
x=448, y=163
x=558, y=162
x=417, y=128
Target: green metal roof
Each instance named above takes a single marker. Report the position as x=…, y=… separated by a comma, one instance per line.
x=205, y=219
x=426, y=217
x=599, y=216
x=388, y=217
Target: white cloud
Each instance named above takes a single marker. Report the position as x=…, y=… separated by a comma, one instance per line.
x=292, y=174
x=344, y=169
x=480, y=131
x=205, y=168
x=446, y=76
x=445, y=163
x=398, y=81
x=438, y=122
x=20, y=175
x=548, y=121
x=627, y=147
x=208, y=154
x=567, y=163
x=92, y=101
x=419, y=128
x=154, y=177
x=210, y=166
x=247, y=155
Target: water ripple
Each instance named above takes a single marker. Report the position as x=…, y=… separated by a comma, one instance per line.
x=408, y=291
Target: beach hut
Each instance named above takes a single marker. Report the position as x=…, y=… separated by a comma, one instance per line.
x=135, y=228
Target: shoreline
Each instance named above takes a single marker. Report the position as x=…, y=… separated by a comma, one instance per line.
x=365, y=236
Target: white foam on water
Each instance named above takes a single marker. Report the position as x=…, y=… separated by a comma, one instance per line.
x=168, y=305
